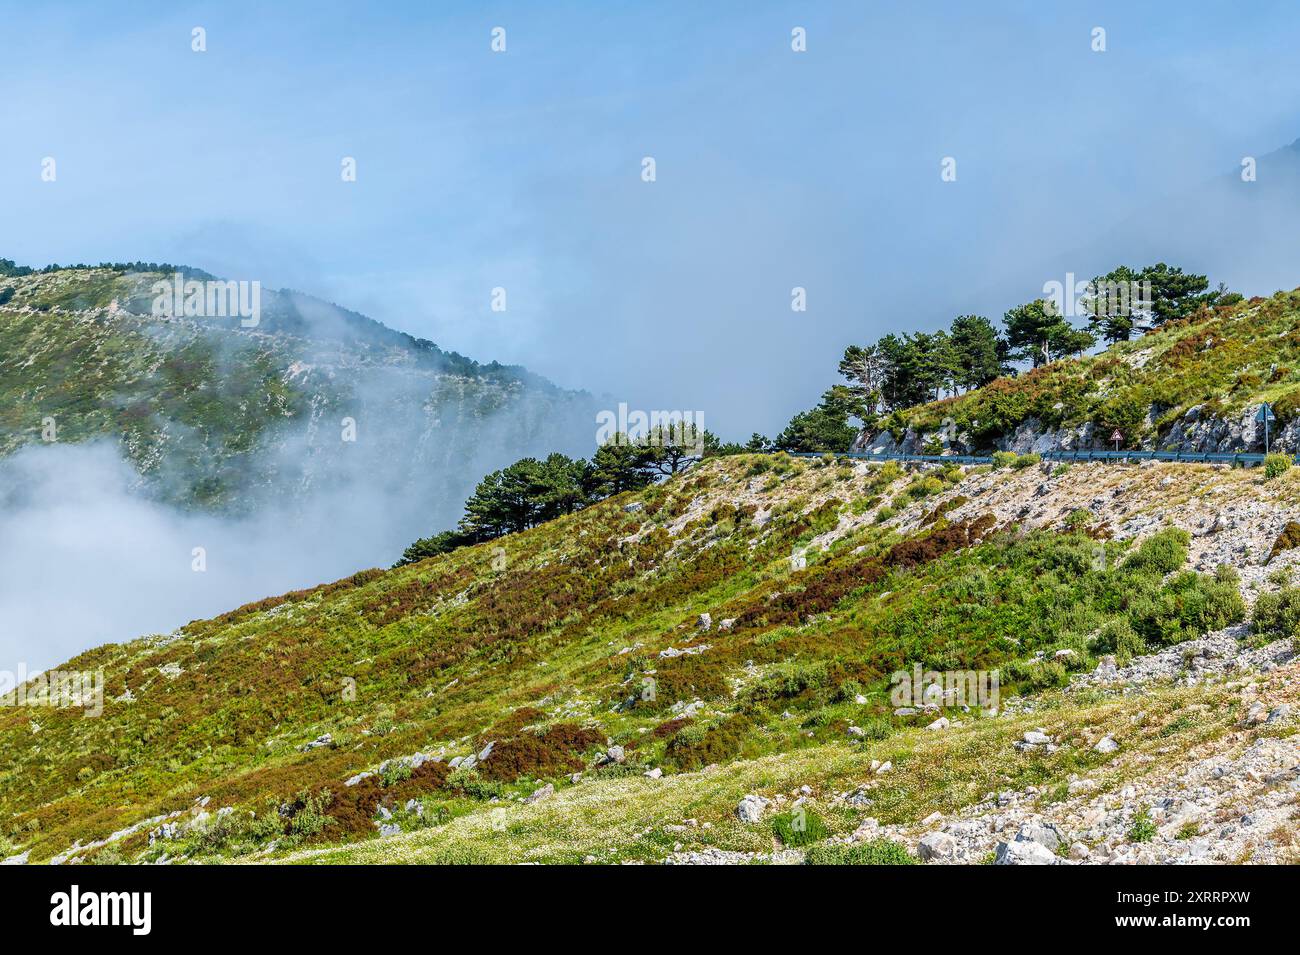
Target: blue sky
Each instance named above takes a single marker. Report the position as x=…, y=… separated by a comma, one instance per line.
x=522, y=170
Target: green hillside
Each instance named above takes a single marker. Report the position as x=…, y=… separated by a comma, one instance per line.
x=540, y=651
x=1183, y=386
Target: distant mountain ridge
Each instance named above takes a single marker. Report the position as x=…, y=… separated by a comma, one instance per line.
x=216, y=415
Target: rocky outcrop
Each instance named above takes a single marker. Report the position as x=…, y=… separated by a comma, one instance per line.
x=1192, y=431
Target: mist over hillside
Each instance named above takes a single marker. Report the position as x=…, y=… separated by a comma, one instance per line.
x=154, y=469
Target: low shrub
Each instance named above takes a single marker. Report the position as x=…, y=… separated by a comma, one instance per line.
x=876, y=728
x=1163, y=552
x=1034, y=675
x=799, y=827
x=551, y=752
x=1277, y=615
x=875, y=852
x=395, y=771
x=1143, y=828
x=696, y=746
x=1275, y=465
x=1119, y=638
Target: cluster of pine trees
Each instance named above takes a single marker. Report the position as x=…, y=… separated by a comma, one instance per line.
x=533, y=490
x=8, y=267
x=901, y=371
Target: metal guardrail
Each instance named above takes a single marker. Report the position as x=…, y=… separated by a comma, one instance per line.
x=1188, y=457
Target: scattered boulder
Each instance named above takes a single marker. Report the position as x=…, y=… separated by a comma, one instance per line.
x=672, y=652
x=1035, y=739
x=1023, y=853
x=540, y=794
x=937, y=847
x=705, y=621
x=1043, y=833
x=751, y=808
x=1106, y=744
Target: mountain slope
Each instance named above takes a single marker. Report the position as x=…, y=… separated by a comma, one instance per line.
x=578, y=647
x=218, y=416
x=1193, y=385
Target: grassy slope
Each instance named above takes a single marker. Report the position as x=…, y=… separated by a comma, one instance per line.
x=535, y=630
x=1223, y=359
x=640, y=819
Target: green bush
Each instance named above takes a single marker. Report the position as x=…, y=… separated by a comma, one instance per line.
x=396, y=771
x=920, y=487
x=877, y=728
x=1275, y=465
x=696, y=746
x=1079, y=518
x=1190, y=605
x=1143, y=828
x=1119, y=638
x=887, y=473
x=467, y=782
x=1277, y=615
x=875, y=852
x=799, y=827
x=307, y=815
x=864, y=504
x=1004, y=459
x=1162, y=553
x=1036, y=674
x=1027, y=460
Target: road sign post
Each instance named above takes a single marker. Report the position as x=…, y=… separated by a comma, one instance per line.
x=1265, y=414
x=1117, y=438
